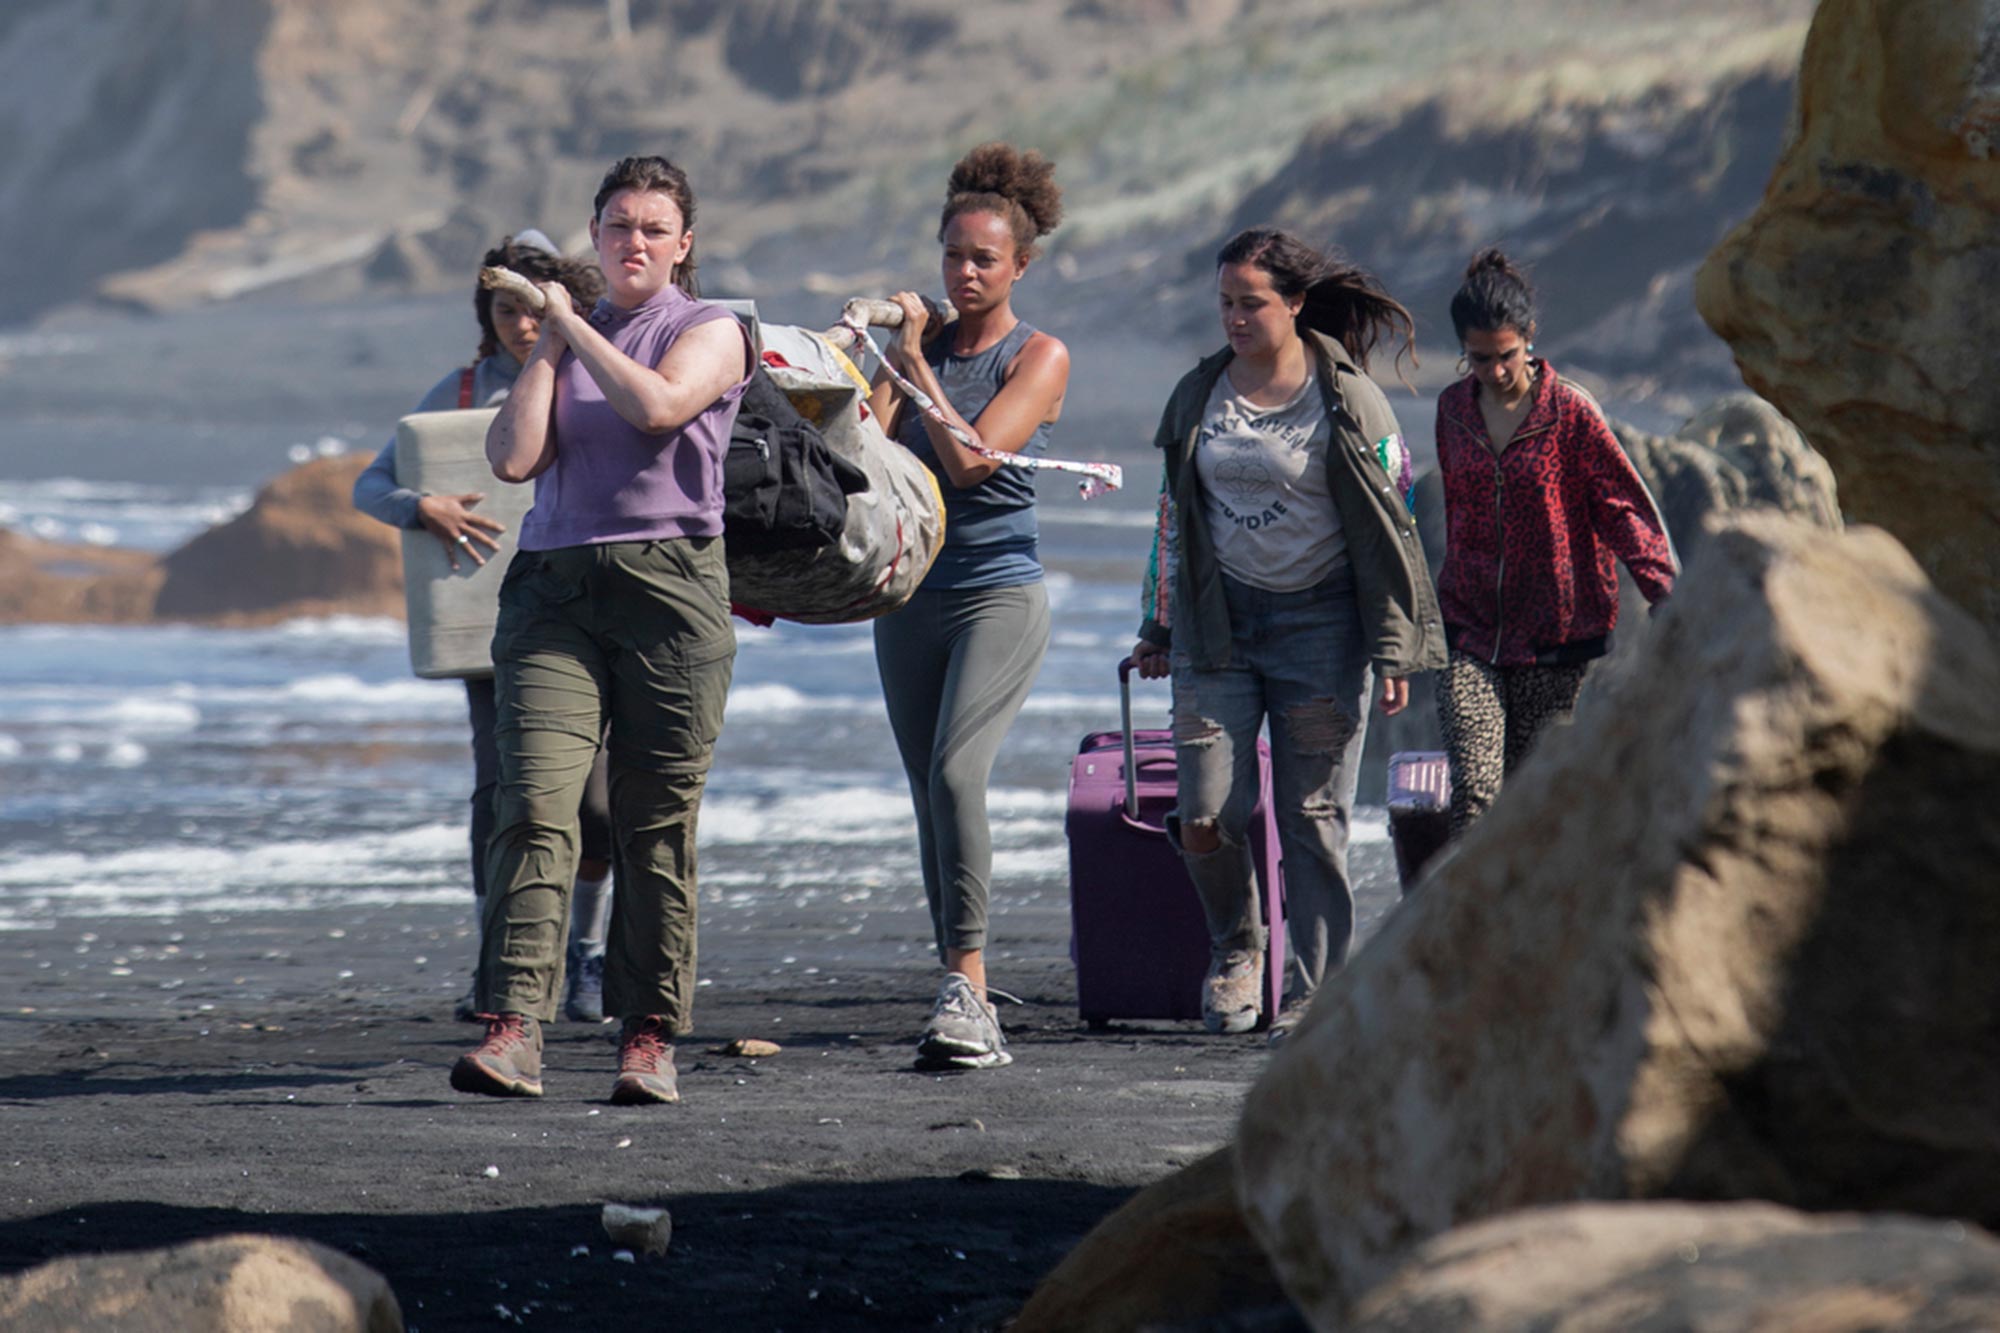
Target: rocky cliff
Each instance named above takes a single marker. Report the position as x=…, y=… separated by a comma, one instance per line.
x=213, y=149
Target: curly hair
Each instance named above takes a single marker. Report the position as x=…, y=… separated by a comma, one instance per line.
x=535, y=264
x=659, y=176
x=1495, y=295
x=1018, y=186
x=1342, y=300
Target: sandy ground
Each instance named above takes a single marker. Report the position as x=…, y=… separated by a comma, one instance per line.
x=165, y=1080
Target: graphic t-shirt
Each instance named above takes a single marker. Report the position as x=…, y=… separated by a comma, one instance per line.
x=1264, y=482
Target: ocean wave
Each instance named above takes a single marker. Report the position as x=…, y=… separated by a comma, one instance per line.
x=341, y=688
x=47, y=706
x=405, y=856
x=101, y=513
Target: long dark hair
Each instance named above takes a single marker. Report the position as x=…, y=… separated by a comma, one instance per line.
x=662, y=177
x=1495, y=295
x=535, y=264
x=1342, y=300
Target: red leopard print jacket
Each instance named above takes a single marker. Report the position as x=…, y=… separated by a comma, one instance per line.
x=1530, y=536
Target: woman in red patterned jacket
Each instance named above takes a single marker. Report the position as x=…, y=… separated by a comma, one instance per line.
x=1539, y=499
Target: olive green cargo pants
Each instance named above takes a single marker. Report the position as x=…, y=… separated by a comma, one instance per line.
x=636, y=634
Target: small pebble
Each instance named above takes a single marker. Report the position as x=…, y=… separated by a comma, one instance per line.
x=624, y=1257
x=492, y=1173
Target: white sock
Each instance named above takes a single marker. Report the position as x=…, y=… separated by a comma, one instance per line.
x=589, y=914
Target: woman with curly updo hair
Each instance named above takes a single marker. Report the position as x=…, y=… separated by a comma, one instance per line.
x=958, y=659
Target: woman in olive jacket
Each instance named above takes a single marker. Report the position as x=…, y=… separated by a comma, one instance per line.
x=1286, y=575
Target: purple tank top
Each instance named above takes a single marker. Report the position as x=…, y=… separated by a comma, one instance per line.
x=611, y=481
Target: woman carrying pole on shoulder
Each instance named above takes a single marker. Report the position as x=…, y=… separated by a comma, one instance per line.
x=1538, y=499
x=1286, y=573
x=957, y=660
x=616, y=607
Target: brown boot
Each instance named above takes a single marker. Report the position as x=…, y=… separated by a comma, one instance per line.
x=646, y=1063
x=508, y=1063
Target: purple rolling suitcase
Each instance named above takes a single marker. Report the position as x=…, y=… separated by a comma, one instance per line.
x=1419, y=804
x=1138, y=936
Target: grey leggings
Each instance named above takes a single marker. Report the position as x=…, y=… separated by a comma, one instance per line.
x=956, y=666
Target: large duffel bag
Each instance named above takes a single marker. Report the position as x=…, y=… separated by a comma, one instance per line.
x=892, y=530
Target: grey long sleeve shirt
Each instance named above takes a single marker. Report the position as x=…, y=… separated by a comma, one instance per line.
x=376, y=493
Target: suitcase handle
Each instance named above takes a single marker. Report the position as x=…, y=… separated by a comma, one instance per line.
x=1125, y=722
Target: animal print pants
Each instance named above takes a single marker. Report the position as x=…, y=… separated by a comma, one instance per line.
x=1491, y=717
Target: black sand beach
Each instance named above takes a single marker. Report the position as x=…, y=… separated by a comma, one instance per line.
x=162, y=1080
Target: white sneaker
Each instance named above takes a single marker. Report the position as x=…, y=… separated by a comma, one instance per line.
x=964, y=1031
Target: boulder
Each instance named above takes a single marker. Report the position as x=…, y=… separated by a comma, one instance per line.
x=300, y=549
x=56, y=583
x=1728, y=935
x=1175, y=1254
x=242, y=1284
x=1714, y=1268
x=1858, y=298
x=1738, y=453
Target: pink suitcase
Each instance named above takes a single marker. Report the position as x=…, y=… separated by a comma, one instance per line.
x=1419, y=802
x=1137, y=933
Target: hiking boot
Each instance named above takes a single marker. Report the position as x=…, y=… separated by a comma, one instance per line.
x=1229, y=994
x=584, y=1002
x=507, y=1064
x=646, y=1063
x=964, y=1031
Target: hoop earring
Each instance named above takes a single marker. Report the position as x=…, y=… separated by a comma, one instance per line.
x=1464, y=367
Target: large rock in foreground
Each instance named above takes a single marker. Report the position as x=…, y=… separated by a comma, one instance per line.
x=1859, y=297
x=1176, y=1253
x=1730, y=935
x=300, y=549
x=237, y=1284
x=1717, y=1268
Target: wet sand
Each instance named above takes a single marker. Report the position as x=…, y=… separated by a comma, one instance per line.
x=162, y=1080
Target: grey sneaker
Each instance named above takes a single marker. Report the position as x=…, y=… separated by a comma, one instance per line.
x=964, y=1031
x=584, y=1002
x=1229, y=995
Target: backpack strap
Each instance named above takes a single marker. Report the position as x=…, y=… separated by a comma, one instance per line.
x=465, y=388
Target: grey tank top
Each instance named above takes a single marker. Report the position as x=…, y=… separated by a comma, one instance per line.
x=990, y=537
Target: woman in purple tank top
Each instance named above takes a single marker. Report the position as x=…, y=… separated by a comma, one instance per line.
x=616, y=608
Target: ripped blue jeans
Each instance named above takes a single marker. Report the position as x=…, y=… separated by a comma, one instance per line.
x=1300, y=660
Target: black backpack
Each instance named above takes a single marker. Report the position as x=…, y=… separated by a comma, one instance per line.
x=783, y=488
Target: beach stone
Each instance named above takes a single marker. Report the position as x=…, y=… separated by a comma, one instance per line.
x=1858, y=297
x=1176, y=1252
x=300, y=549
x=749, y=1048
x=1728, y=935
x=1692, y=1268
x=647, y=1229
x=233, y=1284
